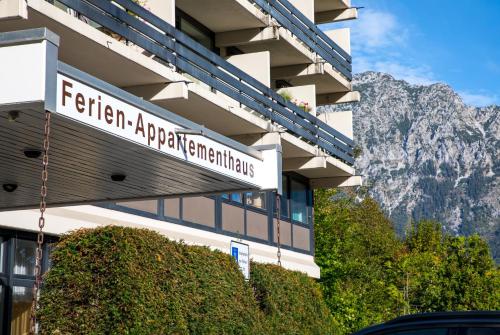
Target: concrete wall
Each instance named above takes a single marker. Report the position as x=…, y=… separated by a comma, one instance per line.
x=13, y=9
x=305, y=6
x=342, y=37
x=256, y=64
x=341, y=121
x=165, y=9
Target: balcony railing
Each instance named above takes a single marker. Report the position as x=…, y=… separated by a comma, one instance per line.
x=298, y=24
x=148, y=31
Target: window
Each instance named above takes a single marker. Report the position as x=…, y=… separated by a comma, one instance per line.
x=195, y=30
x=298, y=201
x=256, y=199
x=17, y=270
x=3, y=248
x=284, y=198
x=237, y=197
x=24, y=257
x=21, y=308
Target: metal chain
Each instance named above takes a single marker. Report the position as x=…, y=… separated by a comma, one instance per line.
x=41, y=224
x=278, y=221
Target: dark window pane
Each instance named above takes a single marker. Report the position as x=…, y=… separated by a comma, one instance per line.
x=196, y=33
x=299, y=201
x=284, y=198
x=428, y=331
x=256, y=199
x=24, y=257
x=225, y=196
x=21, y=307
x=483, y=331
x=3, y=248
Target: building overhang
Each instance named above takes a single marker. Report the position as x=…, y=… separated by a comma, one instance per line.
x=99, y=130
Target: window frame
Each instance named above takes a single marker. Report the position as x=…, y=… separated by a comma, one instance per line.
x=8, y=279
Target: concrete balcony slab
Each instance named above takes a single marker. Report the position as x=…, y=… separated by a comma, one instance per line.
x=224, y=15
x=323, y=75
x=284, y=48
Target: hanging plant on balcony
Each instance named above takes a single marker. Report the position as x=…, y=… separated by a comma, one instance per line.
x=304, y=105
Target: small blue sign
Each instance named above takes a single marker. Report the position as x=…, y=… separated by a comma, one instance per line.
x=234, y=253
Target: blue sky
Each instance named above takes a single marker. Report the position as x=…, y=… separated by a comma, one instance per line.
x=426, y=41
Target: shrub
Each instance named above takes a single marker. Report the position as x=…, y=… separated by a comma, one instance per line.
x=291, y=301
x=117, y=280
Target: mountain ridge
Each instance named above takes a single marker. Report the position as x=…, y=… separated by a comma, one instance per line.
x=428, y=155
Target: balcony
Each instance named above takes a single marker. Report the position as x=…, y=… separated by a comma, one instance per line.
x=169, y=46
x=290, y=18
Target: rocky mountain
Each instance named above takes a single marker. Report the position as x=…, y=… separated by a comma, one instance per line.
x=427, y=155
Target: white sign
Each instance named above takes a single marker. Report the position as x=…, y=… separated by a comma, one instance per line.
x=241, y=253
x=88, y=105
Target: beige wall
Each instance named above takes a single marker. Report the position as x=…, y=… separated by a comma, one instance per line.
x=342, y=37
x=165, y=9
x=13, y=9
x=341, y=121
x=256, y=64
x=305, y=6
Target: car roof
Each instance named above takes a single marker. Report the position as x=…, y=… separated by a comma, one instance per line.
x=436, y=318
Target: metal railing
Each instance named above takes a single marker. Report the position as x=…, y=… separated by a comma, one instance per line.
x=298, y=24
x=141, y=27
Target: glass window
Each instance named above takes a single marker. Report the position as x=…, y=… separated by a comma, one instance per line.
x=195, y=30
x=225, y=196
x=299, y=201
x=284, y=198
x=3, y=248
x=24, y=257
x=256, y=199
x=21, y=307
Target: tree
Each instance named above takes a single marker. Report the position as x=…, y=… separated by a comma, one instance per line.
x=449, y=272
x=358, y=253
x=370, y=275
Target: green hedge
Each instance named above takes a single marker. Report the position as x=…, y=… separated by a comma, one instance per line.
x=117, y=280
x=291, y=301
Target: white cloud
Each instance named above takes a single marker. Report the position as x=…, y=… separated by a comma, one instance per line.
x=479, y=99
x=375, y=30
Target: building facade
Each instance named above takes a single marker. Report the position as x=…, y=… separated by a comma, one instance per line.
x=245, y=73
